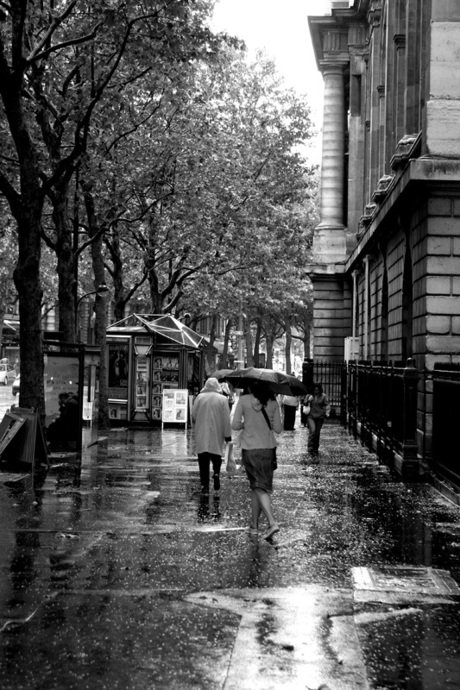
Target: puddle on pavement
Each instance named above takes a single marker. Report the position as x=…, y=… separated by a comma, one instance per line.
x=413, y=648
x=121, y=642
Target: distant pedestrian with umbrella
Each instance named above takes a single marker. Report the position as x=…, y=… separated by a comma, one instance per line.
x=211, y=419
x=317, y=410
x=257, y=416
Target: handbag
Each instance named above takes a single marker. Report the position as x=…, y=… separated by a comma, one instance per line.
x=275, y=463
x=230, y=464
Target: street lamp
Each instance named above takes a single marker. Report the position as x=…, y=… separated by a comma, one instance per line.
x=142, y=349
x=101, y=290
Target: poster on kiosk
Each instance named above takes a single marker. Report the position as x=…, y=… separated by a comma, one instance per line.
x=174, y=410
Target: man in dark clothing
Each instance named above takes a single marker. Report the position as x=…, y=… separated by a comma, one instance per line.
x=62, y=434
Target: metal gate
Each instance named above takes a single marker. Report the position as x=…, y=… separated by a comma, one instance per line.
x=333, y=378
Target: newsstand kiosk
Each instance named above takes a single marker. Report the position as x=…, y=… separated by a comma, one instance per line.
x=155, y=368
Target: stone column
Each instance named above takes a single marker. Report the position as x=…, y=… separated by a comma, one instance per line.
x=329, y=241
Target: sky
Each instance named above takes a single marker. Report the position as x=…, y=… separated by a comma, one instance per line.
x=281, y=29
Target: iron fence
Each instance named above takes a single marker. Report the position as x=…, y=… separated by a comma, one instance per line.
x=445, y=418
x=386, y=405
x=376, y=406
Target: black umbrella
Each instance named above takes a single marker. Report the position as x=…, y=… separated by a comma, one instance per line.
x=222, y=373
x=278, y=381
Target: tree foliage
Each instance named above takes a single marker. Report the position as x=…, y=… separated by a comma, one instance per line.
x=135, y=142
x=63, y=64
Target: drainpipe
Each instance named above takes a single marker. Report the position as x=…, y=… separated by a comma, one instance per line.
x=355, y=275
x=366, y=306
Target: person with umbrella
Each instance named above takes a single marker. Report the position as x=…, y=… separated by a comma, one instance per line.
x=211, y=419
x=257, y=416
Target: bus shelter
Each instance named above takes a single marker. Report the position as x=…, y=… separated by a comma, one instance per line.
x=154, y=362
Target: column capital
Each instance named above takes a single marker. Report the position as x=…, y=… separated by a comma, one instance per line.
x=331, y=66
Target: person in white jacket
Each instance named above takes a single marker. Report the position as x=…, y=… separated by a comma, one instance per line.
x=211, y=419
x=257, y=415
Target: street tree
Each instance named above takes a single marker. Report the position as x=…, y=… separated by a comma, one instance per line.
x=215, y=172
x=261, y=215
x=59, y=61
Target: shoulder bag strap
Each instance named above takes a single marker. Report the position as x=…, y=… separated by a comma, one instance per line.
x=266, y=418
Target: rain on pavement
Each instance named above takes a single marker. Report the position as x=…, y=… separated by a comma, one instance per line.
x=117, y=573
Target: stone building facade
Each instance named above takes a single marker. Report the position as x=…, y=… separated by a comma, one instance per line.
x=387, y=250
x=386, y=254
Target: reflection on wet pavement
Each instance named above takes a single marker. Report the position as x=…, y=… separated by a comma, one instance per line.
x=108, y=568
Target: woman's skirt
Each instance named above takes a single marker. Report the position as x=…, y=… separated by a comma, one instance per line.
x=259, y=464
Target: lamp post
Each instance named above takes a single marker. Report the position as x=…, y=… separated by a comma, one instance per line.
x=101, y=290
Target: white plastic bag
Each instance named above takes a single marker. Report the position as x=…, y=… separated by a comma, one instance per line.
x=230, y=464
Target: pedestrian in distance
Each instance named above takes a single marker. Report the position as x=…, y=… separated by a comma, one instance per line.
x=211, y=420
x=290, y=404
x=257, y=416
x=227, y=390
x=317, y=410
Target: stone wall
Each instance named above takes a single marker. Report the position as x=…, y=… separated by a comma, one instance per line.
x=443, y=281
x=331, y=316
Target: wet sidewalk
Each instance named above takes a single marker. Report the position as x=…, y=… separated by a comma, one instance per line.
x=117, y=573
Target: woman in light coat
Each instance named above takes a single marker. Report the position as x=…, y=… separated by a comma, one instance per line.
x=211, y=419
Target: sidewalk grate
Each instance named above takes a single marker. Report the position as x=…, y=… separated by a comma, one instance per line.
x=406, y=582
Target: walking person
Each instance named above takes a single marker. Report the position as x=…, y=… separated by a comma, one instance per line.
x=290, y=404
x=319, y=409
x=211, y=419
x=227, y=390
x=257, y=415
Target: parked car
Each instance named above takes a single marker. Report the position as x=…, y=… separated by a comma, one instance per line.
x=15, y=386
x=7, y=373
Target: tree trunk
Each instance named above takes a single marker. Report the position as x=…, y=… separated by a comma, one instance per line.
x=66, y=266
x=100, y=307
x=117, y=276
x=27, y=281
x=150, y=261
x=248, y=338
x=26, y=208
x=269, y=339
x=100, y=337
x=210, y=355
x=228, y=329
x=288, y=346
x=257, y=343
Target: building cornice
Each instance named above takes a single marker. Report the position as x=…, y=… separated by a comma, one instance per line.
x=335, y=27
x=425, y=172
